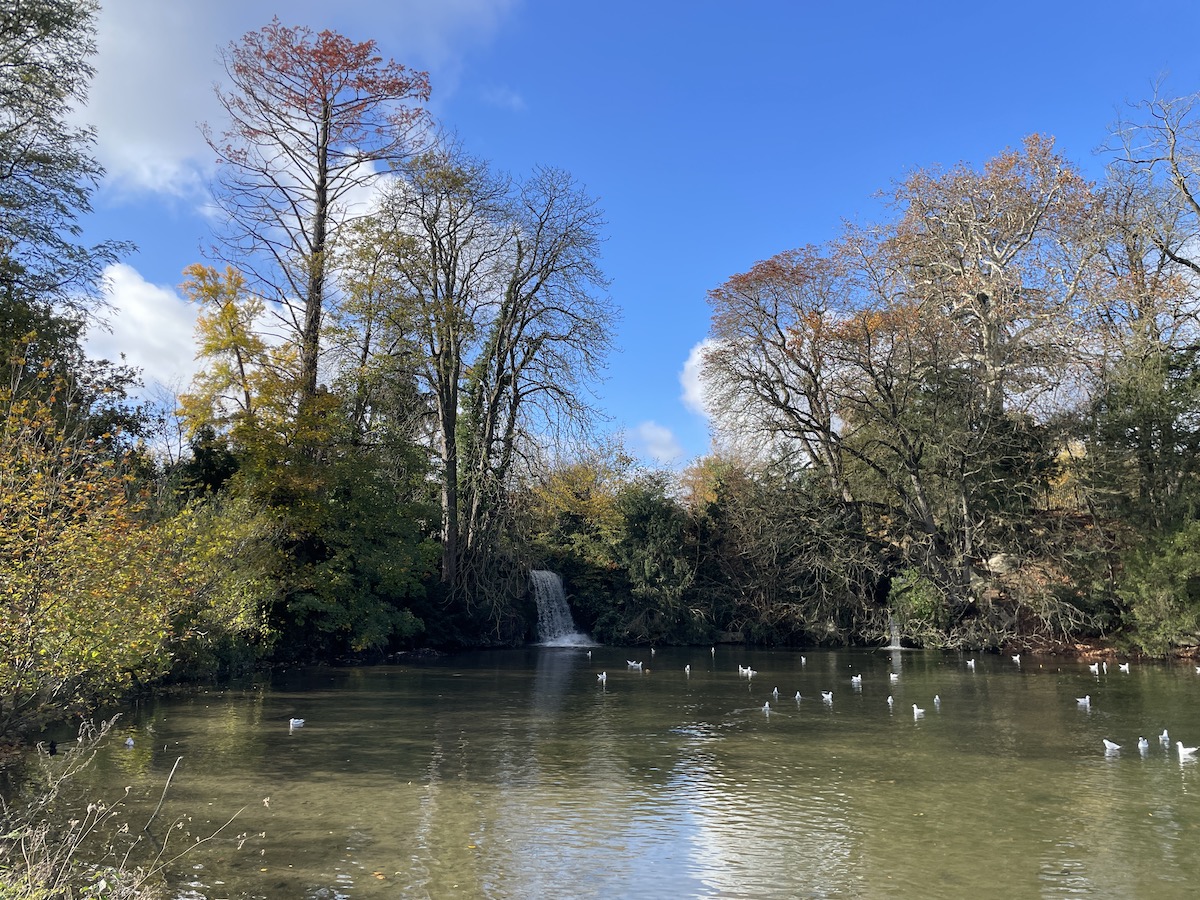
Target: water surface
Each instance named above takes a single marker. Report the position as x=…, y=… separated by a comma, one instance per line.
x=517, y=774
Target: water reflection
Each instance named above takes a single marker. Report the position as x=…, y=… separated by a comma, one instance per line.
x=518, y=774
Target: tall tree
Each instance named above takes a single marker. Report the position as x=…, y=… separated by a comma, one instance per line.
x=47, y=170
x=312, y=116
x=500, y=286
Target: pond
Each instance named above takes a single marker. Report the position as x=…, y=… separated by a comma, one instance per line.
x=520, y=774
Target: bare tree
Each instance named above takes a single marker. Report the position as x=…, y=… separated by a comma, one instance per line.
x=499, y=286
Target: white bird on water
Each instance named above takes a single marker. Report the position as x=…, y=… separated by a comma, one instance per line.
x=775, y=693
x=917, y=711
x=295, y=723
x=687, y=670
x=767, y=708
x=798, y=696
x=1164, y=739
x=1185, y=752
x=894, y=676
x=856, y=679
x=1143, y=745
x=1085, y=701
x=827, y=696
x=1017, y=658
x=1094, y=668
x=1109, y=746
x=1124, y=667
x=632, y=664
x=804, y=662
x=890, y=701
x=937, y=701
x=971, y=664
x=602, y=677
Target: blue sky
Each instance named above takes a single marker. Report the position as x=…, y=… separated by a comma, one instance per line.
x=714, y=134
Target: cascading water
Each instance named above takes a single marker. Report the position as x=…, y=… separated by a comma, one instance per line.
x=556, y=628
x=894, y=631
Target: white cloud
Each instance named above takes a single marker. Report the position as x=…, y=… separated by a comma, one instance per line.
x=656, y=441
x=504, y=98
x=691, y=377
x=151, y=324
x=157, y=63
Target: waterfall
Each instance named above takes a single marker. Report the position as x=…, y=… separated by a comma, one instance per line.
x=556, y=628
x=894, y=630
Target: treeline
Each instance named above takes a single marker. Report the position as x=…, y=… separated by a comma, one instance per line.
x=976, y=420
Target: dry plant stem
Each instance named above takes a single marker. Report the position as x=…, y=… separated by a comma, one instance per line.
x=164, y=794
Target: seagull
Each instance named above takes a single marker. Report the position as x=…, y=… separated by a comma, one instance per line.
x=1105, y=667
x=856, y=679
x=295, y=723
x=1017, y=658
x=1124, y=667
x=712, y=651
x=917, y=711
x=1198, y=670
x=602, y=677
x=1109, y=746
x=750, y=673
x=767, y=708
x=128, y=742
x=827, y=696
x=937, y=701
x=971, y=664
x=632, y=664
x=1085, y=700
x=589, y=654
x=651, y=652
x=798, y=696
x=894, y=676
x=804, y=662
x=1094, y=668
x=775, y=693
x=687, y=670
x=1185, y=752
x=890, y=701
x=1143, y=745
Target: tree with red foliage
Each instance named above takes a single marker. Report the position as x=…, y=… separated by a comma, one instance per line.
x=312, y=118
